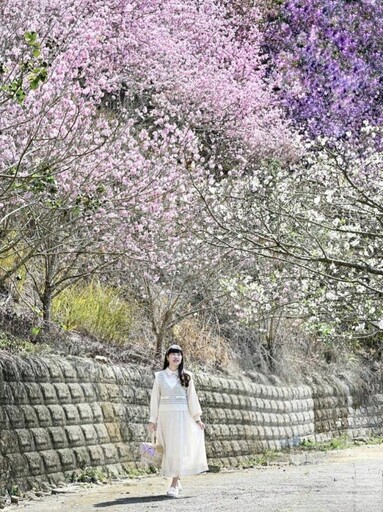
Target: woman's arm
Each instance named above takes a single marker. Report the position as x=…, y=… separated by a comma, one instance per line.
x=154, y=404
x=194, y=405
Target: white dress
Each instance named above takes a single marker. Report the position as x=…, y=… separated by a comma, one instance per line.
x=175, y=409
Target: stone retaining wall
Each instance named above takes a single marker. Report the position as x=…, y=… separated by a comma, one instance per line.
x=341, y=410
x=59, y=416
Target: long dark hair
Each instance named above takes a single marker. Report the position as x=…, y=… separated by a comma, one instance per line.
x=183, y=376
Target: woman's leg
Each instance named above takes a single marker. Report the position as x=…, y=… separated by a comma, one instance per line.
x=174, y=489
x=175, y=482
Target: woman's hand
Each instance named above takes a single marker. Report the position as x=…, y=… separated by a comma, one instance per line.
x=152, y=427
x=201, y=425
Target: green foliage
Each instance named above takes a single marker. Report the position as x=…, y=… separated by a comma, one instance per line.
x=372, y=440
x=134, y=472
x=43, y=181
x=263, y=459
x=31, y=40
x=15, y=90
x=89, y=475
x=17, y=345
x=95, y=475
x=15, y=491
x=338, y=443
x=94, y=309
x=33, y=69
x=35, y=331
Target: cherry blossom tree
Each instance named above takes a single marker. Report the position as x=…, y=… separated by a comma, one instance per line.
x=106, y=109
x=321, y=216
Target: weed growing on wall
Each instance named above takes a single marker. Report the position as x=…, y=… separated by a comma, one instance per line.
x=334, y=444
x=89, y=475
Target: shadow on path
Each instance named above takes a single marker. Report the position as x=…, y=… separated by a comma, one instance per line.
x=138, y=499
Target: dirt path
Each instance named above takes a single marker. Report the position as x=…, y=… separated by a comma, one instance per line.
x=345, y=481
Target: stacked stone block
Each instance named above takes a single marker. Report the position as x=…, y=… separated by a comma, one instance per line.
x=61, y=416
x=245, y=418
x=366, y=418
x=331, y=411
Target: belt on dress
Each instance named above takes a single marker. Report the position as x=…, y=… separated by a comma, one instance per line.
x=177, y=396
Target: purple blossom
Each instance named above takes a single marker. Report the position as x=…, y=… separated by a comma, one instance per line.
x=328, y=63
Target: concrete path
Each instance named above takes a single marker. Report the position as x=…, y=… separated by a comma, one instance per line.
x=344, y=481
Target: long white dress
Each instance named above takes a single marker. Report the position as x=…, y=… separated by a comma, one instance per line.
x=175, y=409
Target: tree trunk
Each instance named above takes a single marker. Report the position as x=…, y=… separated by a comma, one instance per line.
x=48, y=290
x=159, y=345
x=47, y=304
x=270, y=346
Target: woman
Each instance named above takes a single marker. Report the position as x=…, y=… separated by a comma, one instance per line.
x=175, y=414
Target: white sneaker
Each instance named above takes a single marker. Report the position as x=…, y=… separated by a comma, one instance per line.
x=172, y=492
x=179, y=486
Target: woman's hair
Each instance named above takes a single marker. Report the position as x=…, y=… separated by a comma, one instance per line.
x=183, y=376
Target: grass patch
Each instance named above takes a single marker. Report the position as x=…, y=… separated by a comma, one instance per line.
x=370, y=440
x=264, y=459
x=338, y=443
x=9, y=260
x=286, y=456
x=16, y=345
x=135, y=472
x=94, y=309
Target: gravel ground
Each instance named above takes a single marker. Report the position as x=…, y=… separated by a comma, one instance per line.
x=341, y=481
